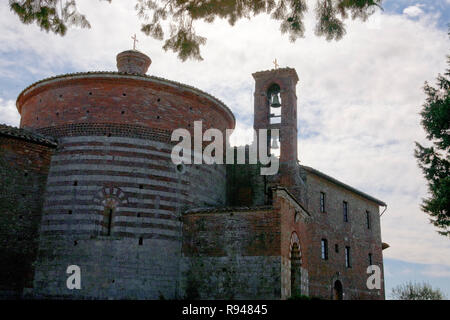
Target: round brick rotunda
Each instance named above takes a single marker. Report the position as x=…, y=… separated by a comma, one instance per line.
x=113, y=197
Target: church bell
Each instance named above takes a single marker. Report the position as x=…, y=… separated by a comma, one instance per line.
x=275, y=101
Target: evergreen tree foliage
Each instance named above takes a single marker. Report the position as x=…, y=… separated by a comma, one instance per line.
x=435, y=159
x=58, y=15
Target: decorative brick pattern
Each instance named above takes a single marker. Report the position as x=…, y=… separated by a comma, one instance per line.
x=88, y=180
x=119, y=99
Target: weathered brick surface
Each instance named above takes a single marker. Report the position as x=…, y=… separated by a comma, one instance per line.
x=286, y=79
x=246, y=186
x=111, y=268
x=110, y=200
x=295, y=227
x=113, y=155
x=231, y=255
x=354, y=233
x=133, y=61
x=120, y=99
x=23, y=175
x=137, y=179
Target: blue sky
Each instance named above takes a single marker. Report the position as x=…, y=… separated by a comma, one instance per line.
x=399, y=272
x=358, y=99
x=427, y=6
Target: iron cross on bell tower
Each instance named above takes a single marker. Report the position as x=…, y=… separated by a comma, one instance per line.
x=134, y=41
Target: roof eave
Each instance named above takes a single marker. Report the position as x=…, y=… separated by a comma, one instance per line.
x=344, y=185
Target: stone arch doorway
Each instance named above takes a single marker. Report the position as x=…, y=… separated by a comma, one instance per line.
x=337, y=290
x=295, y=259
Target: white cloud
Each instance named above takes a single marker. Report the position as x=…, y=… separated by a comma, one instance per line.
x=413, y=11
x=241, y=135
x=8, y=113
x=359, y=98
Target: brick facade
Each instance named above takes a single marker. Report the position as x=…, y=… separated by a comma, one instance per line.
x=106, y=196
x=24, y=167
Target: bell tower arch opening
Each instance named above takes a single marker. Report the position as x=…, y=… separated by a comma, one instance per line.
x=273, y=95
x=274, y=102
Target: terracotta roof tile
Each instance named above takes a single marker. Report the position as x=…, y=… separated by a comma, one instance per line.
x=27, y=135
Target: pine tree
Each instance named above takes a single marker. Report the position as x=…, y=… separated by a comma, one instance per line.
x=58, y=15
x=435, y=159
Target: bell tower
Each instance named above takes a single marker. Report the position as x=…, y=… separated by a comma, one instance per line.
x=275, y=107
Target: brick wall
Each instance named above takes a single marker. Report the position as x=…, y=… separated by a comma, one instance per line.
x=135, y=177
x=23, y=175
x=245, y=185
x=354, y=234
x=119, y=98
x=114, y=197
x=231, y=255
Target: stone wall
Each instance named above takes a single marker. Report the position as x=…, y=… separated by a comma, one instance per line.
x=112, y=207
x=23, y=175
x=114, y=197
x=231, y=255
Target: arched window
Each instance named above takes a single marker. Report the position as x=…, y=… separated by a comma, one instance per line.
x=111, y=199
x=295, y=270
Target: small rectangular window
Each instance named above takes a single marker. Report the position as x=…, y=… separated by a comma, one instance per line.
x=322, y=202
x=108, y=220
x=347, y=257
x=324, y=249
x=370, y=259
x=345, y=209
x=336, y=248
x=368, y=219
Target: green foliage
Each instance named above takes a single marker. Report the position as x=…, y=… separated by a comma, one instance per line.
x=416, y=291
x=58, y=15
x=435, y=160
x=51, y=15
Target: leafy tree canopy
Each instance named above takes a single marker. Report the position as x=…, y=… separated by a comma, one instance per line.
x=435, y=160
x=416, y=291
x=58, y=15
